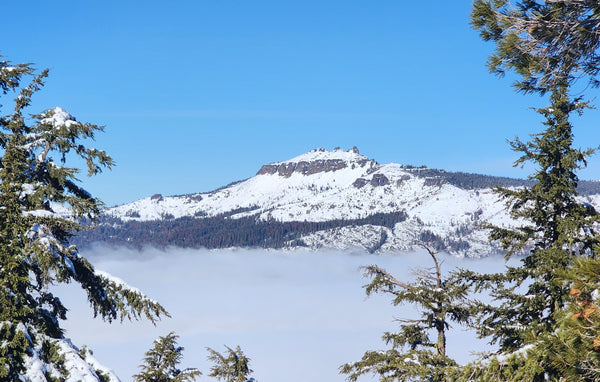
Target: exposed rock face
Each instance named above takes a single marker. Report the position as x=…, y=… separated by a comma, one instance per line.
x=157, y=197
x=318, y=161
x=195, y=198
x=402, y=179
x=306, y=168
x=379, y=180
x=360, y=182
x=434, y=182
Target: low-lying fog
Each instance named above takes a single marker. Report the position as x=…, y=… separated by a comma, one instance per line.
x=298, y=315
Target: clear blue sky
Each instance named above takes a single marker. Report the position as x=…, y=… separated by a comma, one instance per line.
x=197, y=94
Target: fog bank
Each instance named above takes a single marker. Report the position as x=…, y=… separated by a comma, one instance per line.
x=297, y=315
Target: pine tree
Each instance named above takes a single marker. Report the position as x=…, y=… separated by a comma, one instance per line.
x=414, y=356
x=231, y=367
x=550, y=45
x=544, y=42
x=41, y=204
x=575, y=346
x=160, y=363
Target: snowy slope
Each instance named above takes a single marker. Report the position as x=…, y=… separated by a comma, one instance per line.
x=323, y=185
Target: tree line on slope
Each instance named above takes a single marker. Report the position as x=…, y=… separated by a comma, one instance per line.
x=221, y=231
x=469, y=181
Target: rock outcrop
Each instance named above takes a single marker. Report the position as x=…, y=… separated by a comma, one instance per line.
x=315, y=165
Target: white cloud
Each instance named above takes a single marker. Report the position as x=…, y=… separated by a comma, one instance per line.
x=297, y=315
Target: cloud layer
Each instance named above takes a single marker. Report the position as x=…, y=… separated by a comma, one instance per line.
x=297, y=315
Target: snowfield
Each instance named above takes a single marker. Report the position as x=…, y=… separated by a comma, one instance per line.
x=323, y=185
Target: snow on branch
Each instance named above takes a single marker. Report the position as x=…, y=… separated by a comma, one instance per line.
x=125, y=301
x=58, y=117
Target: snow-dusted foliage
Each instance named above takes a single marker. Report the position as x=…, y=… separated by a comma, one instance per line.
x=57, y=358
x=161, y=363
x=418, y=348
x=41, y=203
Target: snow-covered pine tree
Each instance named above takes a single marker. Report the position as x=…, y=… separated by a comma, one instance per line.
x=161, y=363
x=233, y=366
x=414, y=356
x=550, y=45
x=41, y=204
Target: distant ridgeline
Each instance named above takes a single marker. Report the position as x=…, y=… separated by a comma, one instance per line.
x=470, y=181
x=246, y=227
x=220, y=231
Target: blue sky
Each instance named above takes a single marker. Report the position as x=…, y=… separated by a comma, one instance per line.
x=197, y=94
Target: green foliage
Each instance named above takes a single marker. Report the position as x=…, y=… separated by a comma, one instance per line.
x=160, y=363
x=233, y=366
x=50, y=354
x=549, y=45
x=574, y=348
x=35, y=247
x=12, y=351
x=394, y=365
x=543, y=42
x=516, y=367
x=414, y=356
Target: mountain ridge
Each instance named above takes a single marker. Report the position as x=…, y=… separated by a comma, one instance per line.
x=324, y=199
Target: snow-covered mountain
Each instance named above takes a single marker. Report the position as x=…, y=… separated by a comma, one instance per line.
x=338, y=186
